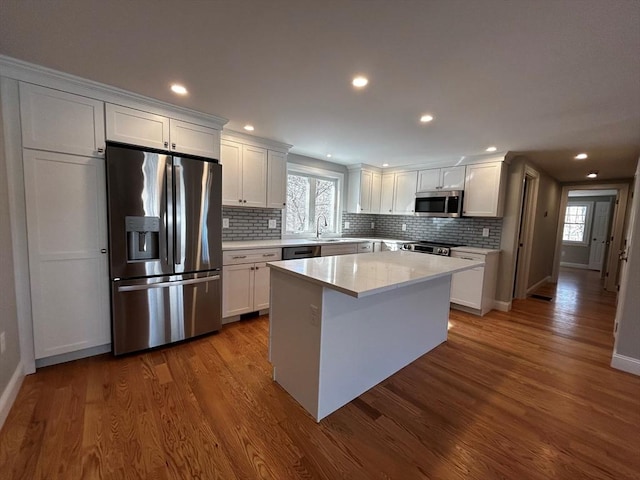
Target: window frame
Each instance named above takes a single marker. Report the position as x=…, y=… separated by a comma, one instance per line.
x=587, y=224
x=295, y=168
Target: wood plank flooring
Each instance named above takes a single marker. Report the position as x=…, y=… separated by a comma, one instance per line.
x=527, y=394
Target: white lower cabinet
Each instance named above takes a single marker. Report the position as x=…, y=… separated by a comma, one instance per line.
x=475, y=289
x=245, y=281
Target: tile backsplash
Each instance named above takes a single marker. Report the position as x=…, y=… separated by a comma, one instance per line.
x=253, y=224
x=464, y=231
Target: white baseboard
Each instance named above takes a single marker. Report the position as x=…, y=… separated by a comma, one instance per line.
x=626, y=364
x=537, y=284
x=502, y=306
x=10, y=393
x=575, y=265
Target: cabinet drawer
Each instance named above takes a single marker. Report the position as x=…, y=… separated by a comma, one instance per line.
x=469, y=256
x=236, y=257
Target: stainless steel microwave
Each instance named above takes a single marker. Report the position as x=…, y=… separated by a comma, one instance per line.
x=439, y=204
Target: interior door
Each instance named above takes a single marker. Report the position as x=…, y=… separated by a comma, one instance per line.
x=599, y=235
x=67, y=239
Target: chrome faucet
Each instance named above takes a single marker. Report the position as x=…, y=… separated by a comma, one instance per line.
x=318, y=224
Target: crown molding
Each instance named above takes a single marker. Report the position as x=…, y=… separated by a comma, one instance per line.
x=255, y=140
x=47, y=77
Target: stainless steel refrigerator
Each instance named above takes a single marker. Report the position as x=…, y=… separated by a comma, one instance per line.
x=165, y=246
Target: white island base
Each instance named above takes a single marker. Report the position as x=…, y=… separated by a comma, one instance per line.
x=327, y=347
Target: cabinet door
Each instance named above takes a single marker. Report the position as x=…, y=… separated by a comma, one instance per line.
x=136, y=127
x=386, y=192
x=366, y=178
x=429, y=180
x=61, y=122
x=254, y=176
x=231, y=159
x=194, y=139
x=452, y=178
x=466, y=287
x=482, y=190
x=277, y=179
x=376, y=185
x=405, y=192
x=261, y=287
x=67, y=239
x=237, y=289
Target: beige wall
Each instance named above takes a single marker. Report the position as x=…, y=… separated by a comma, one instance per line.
x=8, y=313
x=545, y=229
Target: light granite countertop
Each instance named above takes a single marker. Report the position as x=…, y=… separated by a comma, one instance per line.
x=363, y=275
x=295, y=242
x=481, y=251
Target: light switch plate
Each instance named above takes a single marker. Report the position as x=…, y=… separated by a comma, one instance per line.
x=373, y=225
x=346, y=225
x=272, y=224
x=225, y=223
x=485, y=232
x=3, y=344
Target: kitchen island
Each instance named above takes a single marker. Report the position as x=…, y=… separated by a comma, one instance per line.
x=340, y=325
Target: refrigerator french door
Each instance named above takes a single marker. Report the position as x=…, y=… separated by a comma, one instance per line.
x=165, y=245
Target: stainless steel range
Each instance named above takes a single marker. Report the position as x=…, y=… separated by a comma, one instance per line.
x=433, y=248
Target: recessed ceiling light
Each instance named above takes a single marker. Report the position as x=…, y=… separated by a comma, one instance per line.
x=179, y=89
x=426, y=118
x=491, y=149
x=249, y=128
x=329, y=155
x=360, y=82
x=580, y=156
x=385, y=164
x=592, y=174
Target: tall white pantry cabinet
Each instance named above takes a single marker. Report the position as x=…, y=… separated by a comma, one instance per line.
x=55, y=128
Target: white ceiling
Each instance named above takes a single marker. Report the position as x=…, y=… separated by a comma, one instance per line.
x=548, y=79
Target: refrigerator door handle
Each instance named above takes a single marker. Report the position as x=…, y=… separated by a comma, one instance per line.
x=175, y=283
x=177, y=237
x=169, y=214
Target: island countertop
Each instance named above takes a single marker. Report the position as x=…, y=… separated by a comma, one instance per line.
x=372, y=273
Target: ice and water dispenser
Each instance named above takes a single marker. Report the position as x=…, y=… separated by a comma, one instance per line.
x=143, y=234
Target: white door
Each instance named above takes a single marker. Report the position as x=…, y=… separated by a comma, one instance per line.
x=482, y=190
x=231, y=160
x=428, y=180
x=366, y=179
x=452, y=178
x=194, y=139
x=67, y=239
x=405, y=192
x=237, y=289
x=277, y=176
x=599, y=234
x=128, y=125
x=61, y=122
x=386, y=192
x=261, y=286
x=254, y=176
x=376, y=182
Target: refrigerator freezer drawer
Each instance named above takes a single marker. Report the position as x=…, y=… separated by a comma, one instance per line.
x=152, y=312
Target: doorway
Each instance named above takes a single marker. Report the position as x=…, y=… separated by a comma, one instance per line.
x=590, y=229
x=525, y=232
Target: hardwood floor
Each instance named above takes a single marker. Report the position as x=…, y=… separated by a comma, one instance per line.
x=527, y=394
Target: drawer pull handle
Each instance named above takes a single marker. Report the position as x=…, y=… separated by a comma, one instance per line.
x=239, y=256
x=268, y=254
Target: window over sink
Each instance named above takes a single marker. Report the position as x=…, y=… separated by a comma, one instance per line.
x=312, y=192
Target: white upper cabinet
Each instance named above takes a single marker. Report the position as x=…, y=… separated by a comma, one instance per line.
x=61, y=122
x=194, y=139
x=364, y=191
x=137, y=127
x=484, y=190
x=449, y=178
x=252, y=176
x=276, y=179
x=405, y=192
x=387, y=187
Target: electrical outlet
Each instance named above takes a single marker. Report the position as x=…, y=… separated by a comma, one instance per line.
x=315, y=315
x=225, y=223
x=346, y=225
x=373, y=225
x=485, y=232
x=3, y=345
x=272, y=224
x=404, y=227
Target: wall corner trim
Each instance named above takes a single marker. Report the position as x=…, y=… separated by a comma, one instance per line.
x=626, y=364
x=10, y=393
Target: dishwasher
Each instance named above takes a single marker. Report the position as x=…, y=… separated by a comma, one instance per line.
x=307, y=251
